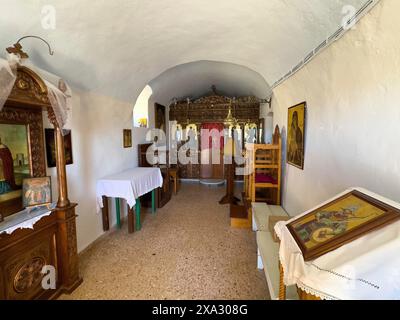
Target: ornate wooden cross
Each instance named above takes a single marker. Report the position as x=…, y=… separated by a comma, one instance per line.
x=17, y=49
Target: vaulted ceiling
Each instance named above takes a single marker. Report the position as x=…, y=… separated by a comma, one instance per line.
x=195, y=79
x=117, y=47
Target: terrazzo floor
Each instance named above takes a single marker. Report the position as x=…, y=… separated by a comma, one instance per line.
x=186, y=251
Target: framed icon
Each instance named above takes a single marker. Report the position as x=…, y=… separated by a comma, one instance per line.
x=339, y=222
x=127, y=136
x=296, y=135
x=36, y=191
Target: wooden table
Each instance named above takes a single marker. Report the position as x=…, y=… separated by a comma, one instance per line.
x=129, y=185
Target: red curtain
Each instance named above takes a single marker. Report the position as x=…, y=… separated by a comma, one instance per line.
x=8, y=166
x=207, y=141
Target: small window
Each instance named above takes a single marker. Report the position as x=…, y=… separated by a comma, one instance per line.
x=141, y=108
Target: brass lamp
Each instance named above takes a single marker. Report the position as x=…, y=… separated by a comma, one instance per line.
x=229, y=152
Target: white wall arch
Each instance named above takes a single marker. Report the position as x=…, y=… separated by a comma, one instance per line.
x=194, y=79
x=141, y=108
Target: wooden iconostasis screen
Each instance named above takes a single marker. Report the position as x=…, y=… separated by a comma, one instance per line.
x=214, y=109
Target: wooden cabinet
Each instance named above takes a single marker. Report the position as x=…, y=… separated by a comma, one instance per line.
x=163, y=194
x=215, y=108
x=190, y=170
x=142, y=158
x=22, y=258
x=52, y=241
x=23, y=254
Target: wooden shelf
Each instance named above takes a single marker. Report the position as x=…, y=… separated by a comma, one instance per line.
x=266, y=166
x=266, y=185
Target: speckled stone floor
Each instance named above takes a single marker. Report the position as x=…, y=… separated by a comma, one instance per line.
x=186, y=251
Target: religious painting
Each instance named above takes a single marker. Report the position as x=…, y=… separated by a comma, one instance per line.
x=36, y=191
x=191, y=133
x=51, y=148
x=127, y=136
x=261, y=125
x=339, y=222
x=160, y=119
x=250, y=133
x=14, y=158
x=296, y=135
x=176, y=131
x=237, y=132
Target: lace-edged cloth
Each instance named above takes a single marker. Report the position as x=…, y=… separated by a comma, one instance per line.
x=365, y=268
x=59, y=93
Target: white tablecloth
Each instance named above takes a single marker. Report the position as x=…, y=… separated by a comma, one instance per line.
x=24, y=219
x=129, y=184
x=365, y=269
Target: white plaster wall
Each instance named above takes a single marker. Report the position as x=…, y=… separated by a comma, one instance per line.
x=353, y=119
x=96, y=123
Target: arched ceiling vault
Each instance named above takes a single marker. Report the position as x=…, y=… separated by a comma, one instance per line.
x=116, y=47
x=195, y=79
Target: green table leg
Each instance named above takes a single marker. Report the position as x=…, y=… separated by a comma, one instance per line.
x=153, y=201
x=138, y=225
x=118, y=212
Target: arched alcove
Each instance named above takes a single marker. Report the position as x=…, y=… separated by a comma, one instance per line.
x=195, y=79
x=141, y=108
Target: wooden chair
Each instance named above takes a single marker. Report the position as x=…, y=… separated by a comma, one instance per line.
x=265, y=162
x=173, y=173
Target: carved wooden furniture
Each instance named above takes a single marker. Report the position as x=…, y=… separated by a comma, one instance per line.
x=163, y=194
x=142, y=160
x=134, y=215
x=52, y=241
x=192, y=169
x=302, y=294
x=131, y=185
x=173, y=173
x=266, y=169
x=212, y=109
x=17, y=111
x=215, y=109
x=229, y=197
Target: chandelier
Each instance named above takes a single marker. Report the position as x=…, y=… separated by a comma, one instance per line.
x=230, y=120
x=187, y=111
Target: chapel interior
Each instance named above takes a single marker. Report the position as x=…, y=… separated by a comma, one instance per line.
x=224, y=150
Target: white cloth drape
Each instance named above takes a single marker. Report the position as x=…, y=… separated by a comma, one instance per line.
x=366, y=268
x=24, y=219
x=8, y=74
x=59, y=93
x=129, y=185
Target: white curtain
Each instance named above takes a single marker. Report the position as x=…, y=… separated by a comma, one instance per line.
x=59, y=93
x=8, y=74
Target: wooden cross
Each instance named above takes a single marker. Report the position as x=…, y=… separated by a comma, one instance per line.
x=17, y=49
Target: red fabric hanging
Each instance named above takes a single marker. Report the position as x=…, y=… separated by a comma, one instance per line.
x=207, y=139
x=8, y=166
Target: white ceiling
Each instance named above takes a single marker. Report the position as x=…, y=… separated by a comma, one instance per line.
x=116, y=47
x=195, y=79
